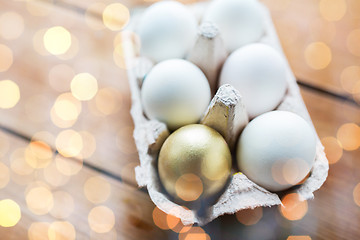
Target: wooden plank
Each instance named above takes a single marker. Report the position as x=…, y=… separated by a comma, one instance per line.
x=73, y=197
x=40, y=85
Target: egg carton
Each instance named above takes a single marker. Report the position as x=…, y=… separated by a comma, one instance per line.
x=226, y=113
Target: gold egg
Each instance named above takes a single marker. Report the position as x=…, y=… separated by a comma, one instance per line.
x=194, y=162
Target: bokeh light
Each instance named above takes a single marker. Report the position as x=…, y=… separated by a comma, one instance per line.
x=189, y=187
x=38, y=231
x=101, y=219
x=18, y=163
x=57, y=40
x=356, y=194
x=63, y=205
x=40, y=9
x=90, y=15
x=6, y=58
x=38, y=154
x=61, y=230
x=194, y=233
x=352, y=42
x=84, y=86
x=97, y=189
x=39, y=200
x=332, y=10
x=289, y=172
x=60, y=77
x=89, y=144
x=108, y=101
x=11, y=25
x=38, y=42
x=116, y=16
x=299, y=238
x=4, y=175
x=249, y=217
x=333, y=149
x=349, y=136
x=65, y=110
x=293, y=207
x=350, y=78
x=68, y=167
x=318, y=55
x=54, y=177
x=9, y=93
x=159, y=218
x=69, y=143
x=10, y=213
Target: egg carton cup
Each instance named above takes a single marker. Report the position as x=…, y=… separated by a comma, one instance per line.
x=226, y=113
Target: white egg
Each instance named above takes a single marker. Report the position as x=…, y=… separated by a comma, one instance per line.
x=167, y=30
x=240, y=21
x=175, y=92
x=276, y=150
x=258, y=72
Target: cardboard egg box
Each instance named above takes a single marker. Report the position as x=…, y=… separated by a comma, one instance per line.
x=226, y=113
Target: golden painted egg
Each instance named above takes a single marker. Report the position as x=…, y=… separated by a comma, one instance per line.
x=194, y=162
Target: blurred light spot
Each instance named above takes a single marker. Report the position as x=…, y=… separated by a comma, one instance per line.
x=18, y=163
x=354, y=8
x=101, y=219
x=350, y=77
x=356, y=194
x=194, y=233
x=6, y=58
x=11, y=25
x=299, y=238
x=4, y=175
x=10, y=213
x=123, y=141
x=44, y=136
x=38, y=231
x=174, y=222
x=332, y=10
x=60, y=77
x=57, y=40
x=108, y=101
x=349, y=136
x=38, y=42
x=189, y=187
x=353, y=41
x=130, y=38
x=63, y=205
x=123, y=57
x=89, y=144
x=39, y=200
x=90, y=19
x=4, y=144
x=68, y=167
x=289, y=172
x=84, y=86
x=97, y=189
x=38, y=8
x=69, y=143
x=65, y=110
x=54, y=177
x=249, y=216
x=293, y=208
x=72, y=51
x=116, y=16
x=38, y=154
x=159, y=218
x=61, y=230
x=333, y=149
x=318, y=55
x=9, y=94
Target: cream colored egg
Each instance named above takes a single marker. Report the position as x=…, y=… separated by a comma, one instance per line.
x=167, y=30
x=276, y=150
x=175, y=92
x=258, y=72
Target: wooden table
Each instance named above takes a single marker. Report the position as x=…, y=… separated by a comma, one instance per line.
x=69, y=164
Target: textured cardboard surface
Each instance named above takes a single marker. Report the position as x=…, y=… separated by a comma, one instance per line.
x=241, y=193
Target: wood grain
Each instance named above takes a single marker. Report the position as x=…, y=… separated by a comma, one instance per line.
x=132, y=208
